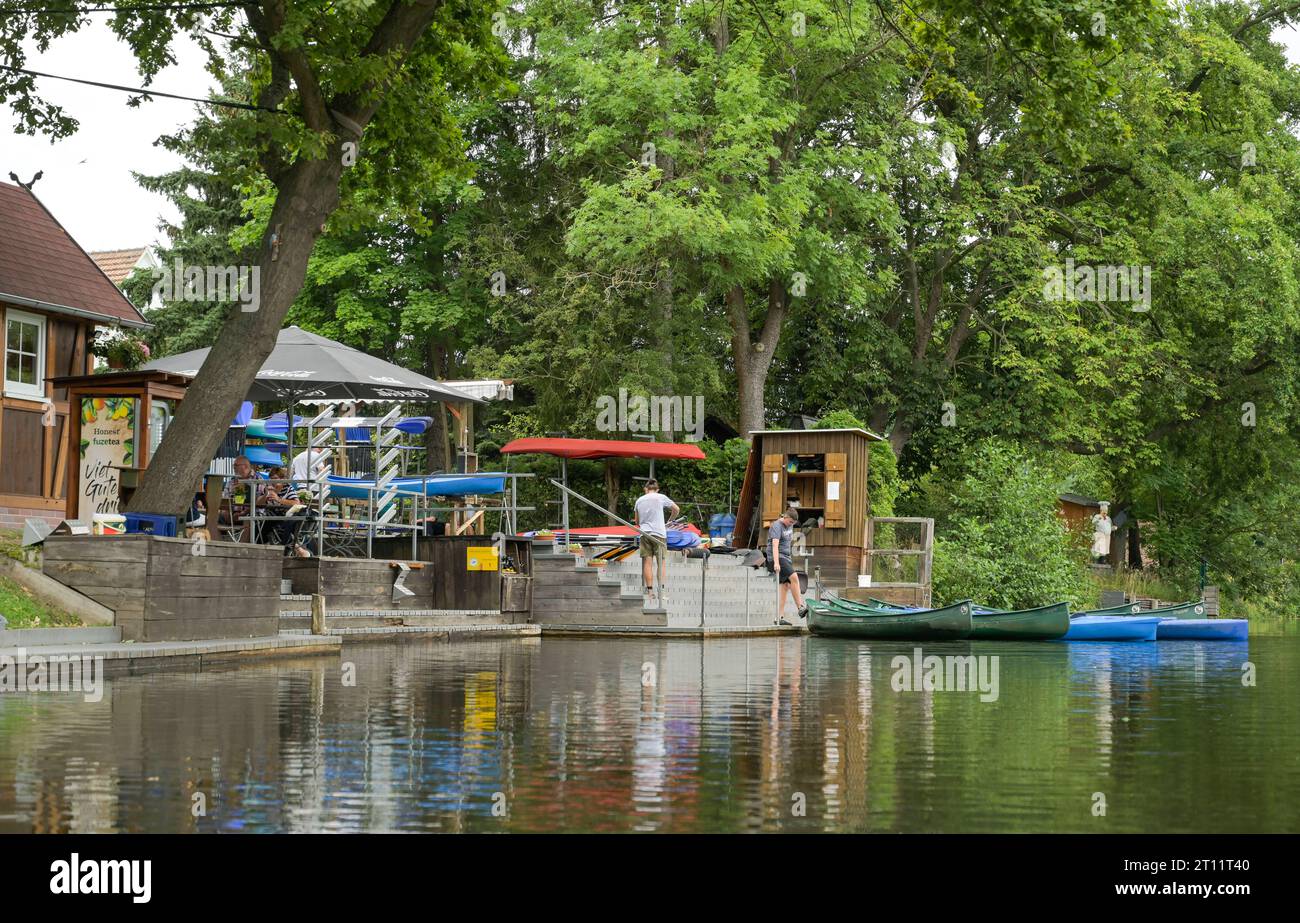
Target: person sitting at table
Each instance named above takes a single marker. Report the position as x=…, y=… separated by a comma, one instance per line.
x=236, y=490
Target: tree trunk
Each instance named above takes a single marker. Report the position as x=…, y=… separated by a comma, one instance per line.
x=611, y=489
x=753, y=358
x=435, y=437
x=307, y=196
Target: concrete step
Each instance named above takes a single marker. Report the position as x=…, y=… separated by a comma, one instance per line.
x=36, y=637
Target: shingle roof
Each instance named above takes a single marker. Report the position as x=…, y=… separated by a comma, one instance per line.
x=117, y=264
x=43, y=266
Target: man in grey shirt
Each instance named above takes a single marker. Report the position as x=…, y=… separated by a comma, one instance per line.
x=779, y=555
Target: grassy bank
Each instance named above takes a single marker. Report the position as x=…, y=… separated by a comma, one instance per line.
x=19, y=607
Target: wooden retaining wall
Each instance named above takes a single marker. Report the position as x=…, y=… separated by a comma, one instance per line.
x=440, y=579
x=359, y=583
x=161, y=590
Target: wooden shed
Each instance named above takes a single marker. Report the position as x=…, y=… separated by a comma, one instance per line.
x=823, y=473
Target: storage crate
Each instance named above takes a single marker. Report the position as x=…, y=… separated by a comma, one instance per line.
x=151, y=524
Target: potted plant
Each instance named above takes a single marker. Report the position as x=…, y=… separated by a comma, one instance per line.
x=119, y=350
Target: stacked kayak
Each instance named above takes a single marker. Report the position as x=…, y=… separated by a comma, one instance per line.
x=846, y=619
x=1174, y=623
x=433, y=485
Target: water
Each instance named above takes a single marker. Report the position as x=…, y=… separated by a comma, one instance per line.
x=765, y=734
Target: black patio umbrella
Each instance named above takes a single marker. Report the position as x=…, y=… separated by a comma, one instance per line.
x=307, y=367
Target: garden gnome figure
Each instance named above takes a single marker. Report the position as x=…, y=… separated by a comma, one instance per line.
x=1102, y=527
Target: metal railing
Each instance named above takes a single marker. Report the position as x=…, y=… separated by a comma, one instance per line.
x=569, y=491
x=418, y=504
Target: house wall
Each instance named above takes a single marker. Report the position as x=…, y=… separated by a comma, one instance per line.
x=34, y=456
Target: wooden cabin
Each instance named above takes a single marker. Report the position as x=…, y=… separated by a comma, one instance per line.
x=822, y=472
x=52, y=297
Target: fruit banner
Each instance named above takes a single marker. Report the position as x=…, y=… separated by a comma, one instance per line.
x=107, y=440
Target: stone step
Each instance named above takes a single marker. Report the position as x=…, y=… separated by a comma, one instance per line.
x=36, y=637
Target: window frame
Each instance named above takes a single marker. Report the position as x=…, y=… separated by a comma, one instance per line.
x=18, y=388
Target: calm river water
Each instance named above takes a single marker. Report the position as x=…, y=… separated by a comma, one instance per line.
x=804, y=734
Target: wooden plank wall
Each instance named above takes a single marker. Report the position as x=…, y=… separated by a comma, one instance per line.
x=161, y=591
x=457, y=587
x=855, y=448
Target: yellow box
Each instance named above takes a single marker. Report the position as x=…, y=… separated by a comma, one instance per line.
x=481, y=557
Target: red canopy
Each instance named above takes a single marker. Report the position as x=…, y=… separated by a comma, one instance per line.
x=602, y=448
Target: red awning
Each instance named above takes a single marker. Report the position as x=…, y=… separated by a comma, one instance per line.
x=602, y=448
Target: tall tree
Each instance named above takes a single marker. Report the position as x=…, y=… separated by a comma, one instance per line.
x=330, y=82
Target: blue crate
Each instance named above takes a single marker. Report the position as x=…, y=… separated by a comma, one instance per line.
x=150, y=524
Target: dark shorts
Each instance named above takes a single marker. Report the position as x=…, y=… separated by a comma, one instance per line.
x=787, y=570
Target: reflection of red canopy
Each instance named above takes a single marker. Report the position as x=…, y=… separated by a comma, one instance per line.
x=602, y=448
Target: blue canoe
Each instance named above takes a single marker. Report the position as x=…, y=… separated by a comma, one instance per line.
x=1113, y=628
x=1174, y=629
x=435, y=485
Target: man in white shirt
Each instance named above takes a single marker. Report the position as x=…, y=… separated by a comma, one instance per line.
x=299, y=471
x=654, y=533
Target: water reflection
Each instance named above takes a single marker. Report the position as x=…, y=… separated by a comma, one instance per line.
x=746, y=734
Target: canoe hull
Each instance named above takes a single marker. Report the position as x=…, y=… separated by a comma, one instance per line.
x=1045, y=623
x=1113, y=628
x=434, y=486
x=1126, y=609
x=1203, y=630
x=1192, y=610
x=948, y=624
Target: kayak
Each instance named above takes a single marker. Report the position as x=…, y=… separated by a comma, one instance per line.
x=1177, y=629
x=434, y=485
x=842, y=618
x=1113, y=628
x=1044, y=623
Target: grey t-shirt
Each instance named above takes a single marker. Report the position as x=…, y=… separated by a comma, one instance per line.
x=782, y=533
x=650, y=513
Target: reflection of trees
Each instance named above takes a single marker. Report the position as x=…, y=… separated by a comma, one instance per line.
x=730, y=731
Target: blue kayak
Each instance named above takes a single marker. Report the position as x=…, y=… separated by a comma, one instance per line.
x=434, y=485
x=1113, y=628
x=1174, y=629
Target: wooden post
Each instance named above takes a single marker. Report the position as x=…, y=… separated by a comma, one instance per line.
x=317, y=614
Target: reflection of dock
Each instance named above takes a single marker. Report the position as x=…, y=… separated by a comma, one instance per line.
x=142, y=657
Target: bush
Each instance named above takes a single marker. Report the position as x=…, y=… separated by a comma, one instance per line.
x=1003, y=543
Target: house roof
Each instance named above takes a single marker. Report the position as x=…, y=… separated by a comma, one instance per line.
x=41, y=266
x=117, y=264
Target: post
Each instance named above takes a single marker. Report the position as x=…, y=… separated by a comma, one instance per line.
x=704, y=584
x=317, y=614
x=564, y=476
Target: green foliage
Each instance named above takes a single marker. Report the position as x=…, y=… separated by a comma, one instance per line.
x=1001, y=542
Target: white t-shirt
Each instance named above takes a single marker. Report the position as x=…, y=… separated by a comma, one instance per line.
x=650, y=513
x=298, y=469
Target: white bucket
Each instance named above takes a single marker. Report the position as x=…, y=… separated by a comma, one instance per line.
x=864, y=580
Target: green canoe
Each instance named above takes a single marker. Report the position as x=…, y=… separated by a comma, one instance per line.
x=1044, y=623
x=1192, y=610
x=1126, y=609
x=845, y=619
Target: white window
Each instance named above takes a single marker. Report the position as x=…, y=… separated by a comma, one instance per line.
x=24, y=354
